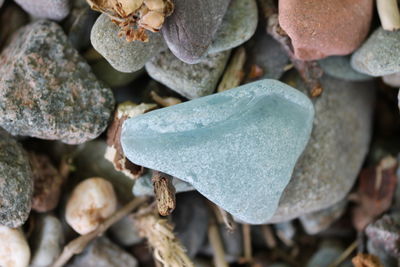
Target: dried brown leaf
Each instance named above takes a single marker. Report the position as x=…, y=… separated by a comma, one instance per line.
x=164, y=192
x=366, y=260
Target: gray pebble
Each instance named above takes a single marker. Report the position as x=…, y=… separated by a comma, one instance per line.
x=379, y=55
x=392, y=80
x=47, y=9
x=48, y=91
x=16, y=182
x=123, y=56
x=238, y=25
x=1, y=2
x=191, y=28
x=339, y=67
x=326, y=255
x=124, y=232
x=191, y=81
x=11, y=19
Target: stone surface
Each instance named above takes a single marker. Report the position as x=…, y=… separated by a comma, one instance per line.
x=328, y=167
x=262, y=127
x=318, y=221
x=238, y=25
x=190, y=218
x=392, y=80
x=144, y=186
x=46, y=9
x=191, y=81
x=339, y=67
x=124, y=232
x=47, y=241
x=321, y=28
x=11, y=19
x=1, y=2
x=48, y=91
x=326, y=255
x=386, y=259
x=103, y=253
x=14, y=250
x=378, y=55
x=190, y=30
x=16, y=182
x=122, y=55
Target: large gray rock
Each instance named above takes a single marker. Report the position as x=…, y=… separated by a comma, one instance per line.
x=190, y=29
x=122, y=55
x=46, y=9
x=16, y=182
x=191, y=81
x=48, y=91
x=328, y=167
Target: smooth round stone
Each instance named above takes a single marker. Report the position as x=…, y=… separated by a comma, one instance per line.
x=189, y=80
x=1, y=2
x=326, y=255
x=263, y=127
x=16, y=182
x=378, y=56
x=47, y=241
x=11, y=19
x=192, y=26
x=124, y=232
x=339, y=142
x=48, y=91
x=321, y=28
x=339, y=67
x=47, y=9
x=122, y=55
x=392, y=80
x=238, y=25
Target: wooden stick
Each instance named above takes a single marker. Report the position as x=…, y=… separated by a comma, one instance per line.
x=248, y=254
x=233, y=75
x=268, y=236
x=216, y=244
x=389, y=14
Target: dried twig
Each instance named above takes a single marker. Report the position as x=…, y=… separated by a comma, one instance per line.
x=164, y=192
x=234, y=74
x=216, y=244
x=389, y=14
x=248, y=254
x=164, y=101
x=77, y=245
x=268, y=236
x=222, y=216
x=345, y=254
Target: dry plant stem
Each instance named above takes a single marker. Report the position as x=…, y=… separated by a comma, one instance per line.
x=309, y=70
x=248, y=254
x=389, y=14
x=164, y=101
x=216, y=244
x=77, y=245
x=222, y=216
x=268, y=236
x=234, y=74
x=164, y=192
x=345, y=254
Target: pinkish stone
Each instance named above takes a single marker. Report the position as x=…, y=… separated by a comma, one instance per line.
x=321, y=28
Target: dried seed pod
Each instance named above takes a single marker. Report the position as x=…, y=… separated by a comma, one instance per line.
x=155, y=5
x=91, y=202
x=14, y=250
x=152, y=21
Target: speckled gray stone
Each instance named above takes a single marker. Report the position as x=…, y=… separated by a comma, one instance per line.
x=123, y=56
x=339, y=67
x=16, y=182
x=329, y=166
x=262, y=127
x=48, y=91
x=378, y=56
x=190, y=29
x=46, y=9
x=191, y=81
x=392, y=80
x=238, y=25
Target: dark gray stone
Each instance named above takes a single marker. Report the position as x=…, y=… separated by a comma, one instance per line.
x=340, y=67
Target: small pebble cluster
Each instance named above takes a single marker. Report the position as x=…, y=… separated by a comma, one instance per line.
x=199, y=133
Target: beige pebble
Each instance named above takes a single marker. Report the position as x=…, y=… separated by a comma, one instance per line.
x=14, y=249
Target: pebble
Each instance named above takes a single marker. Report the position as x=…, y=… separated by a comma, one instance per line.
x=48, y=91
x=263, y=127
x=14, y=249
x=47, y=241
x=330, y=164
x=339, y=67
x=124, y=232
x=190, y=218
x=103, y=253
x=47, y=9
x=392, y=80
x=318, y=221
x=378, y=55
x=386, y=259
x=326, y=255
x=191, y=81
x=321, y=28
x=11, y=19
x=190, y=29
x=1, y=2
x=238, y=25
x=16, y=182
x=122, y=55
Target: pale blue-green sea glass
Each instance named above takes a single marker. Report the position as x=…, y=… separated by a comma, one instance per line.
x=238, y=148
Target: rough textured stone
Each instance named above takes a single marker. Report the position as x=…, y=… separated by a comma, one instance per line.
x=191, y=81
x=262, y=127
x=392, y=80
x=321, y=28
x=47, y=241
x=378, y=56
x=46, y=9
x=16, y=186
x=48, y=91
x=328, y=167
x=238, y=25
x=339, y=67
x=123, y=56
x=103, y=253
x=189, y=31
